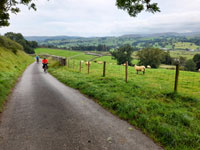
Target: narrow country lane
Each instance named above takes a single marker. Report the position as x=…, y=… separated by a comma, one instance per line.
x=44, y=114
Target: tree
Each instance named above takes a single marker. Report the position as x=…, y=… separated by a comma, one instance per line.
x=196, y=60
x=167, y=59
x=198, y=65
x=134, y=7
x=190, y=65
x=182, y=60
x=123, y=54
x=7, y=6
x=150, y=56
x=27, y=45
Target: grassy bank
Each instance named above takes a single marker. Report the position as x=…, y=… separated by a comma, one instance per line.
x=172, y=120
x=13, y=61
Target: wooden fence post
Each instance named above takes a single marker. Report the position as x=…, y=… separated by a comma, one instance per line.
x=73, y=64
x=68, y=63
x=104, y=69
x=64, y=61
x=176, y=78
x=88, y=67
x=80, y=66
x=126, y=72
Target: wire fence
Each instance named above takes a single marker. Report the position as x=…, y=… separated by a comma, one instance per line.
x=164, y=80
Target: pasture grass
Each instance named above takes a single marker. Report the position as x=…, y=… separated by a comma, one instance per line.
x=65, y=53
x=186, y=45
x=146, y=101
x=11, y=67
x=186, y=54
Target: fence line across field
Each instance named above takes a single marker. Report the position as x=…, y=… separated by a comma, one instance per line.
x=172, y=79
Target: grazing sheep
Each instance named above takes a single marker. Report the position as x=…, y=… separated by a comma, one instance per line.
x=87, y=63
x=123, y=64
x=199, y=70
x=99, y=62
x=140, y=68
x=148, y=66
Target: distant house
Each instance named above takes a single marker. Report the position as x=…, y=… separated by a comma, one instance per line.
x=191, y=50
x=165, y=49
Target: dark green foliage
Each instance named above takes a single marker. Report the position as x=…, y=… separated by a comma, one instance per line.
x=198, y=65
x=190, y=65
x=7, y=6
x=167, y=59
x=123, y=54
x=134, y=7
x=10, y=44
x=150, y=56
x=182, y=60
x=27, y=45
x=196, y=60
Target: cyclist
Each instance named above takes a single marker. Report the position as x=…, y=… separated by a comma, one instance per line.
x=45, y=62
x=37, y=59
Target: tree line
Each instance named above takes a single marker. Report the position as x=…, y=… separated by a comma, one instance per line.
x=154, y=57
x=28, y=46
x=100, y=47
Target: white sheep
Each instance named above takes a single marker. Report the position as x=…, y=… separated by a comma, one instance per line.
x=87, y=63
x=100, y=62
x=123, y=64
x=148, y=66
x=140, y=68
x=199, y=70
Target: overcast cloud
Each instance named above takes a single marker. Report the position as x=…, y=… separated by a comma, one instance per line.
x=102, y=18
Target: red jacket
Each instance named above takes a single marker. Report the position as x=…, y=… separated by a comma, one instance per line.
x=45, y=61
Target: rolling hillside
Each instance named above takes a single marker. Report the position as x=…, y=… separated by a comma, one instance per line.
x=170, y=41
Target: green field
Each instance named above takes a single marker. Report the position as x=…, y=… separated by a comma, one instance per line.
x=68, y=54
x=186, y=45
x=146, y=101
x=187, y=54
x=11, y=67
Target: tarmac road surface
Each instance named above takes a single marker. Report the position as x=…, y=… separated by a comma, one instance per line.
x=44, y=114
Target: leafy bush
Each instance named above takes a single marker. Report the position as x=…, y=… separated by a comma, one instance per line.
x=27, y=45
x=196, y=59
x=150, y=56
x=190, y=65
x=123, y=54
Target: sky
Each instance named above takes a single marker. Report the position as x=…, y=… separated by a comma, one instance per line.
x=102, y=18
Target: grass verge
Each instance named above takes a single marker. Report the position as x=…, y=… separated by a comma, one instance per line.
x=12, y=65
x=170, y=119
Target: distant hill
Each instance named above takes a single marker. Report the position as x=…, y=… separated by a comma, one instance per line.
x=44, y=38
x=166, y=41
x=167, y=34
